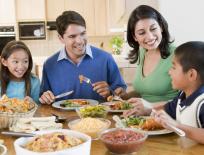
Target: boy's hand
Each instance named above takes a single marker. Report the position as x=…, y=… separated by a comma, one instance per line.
x=163, y=118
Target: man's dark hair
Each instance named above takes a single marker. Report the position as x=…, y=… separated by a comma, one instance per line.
x=67, y=18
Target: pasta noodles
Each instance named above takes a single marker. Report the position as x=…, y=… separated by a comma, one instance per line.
x=52, y=142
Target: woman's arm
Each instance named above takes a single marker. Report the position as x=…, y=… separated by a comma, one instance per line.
x=129, y=95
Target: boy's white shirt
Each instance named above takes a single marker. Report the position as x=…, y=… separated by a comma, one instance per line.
x=190, y=115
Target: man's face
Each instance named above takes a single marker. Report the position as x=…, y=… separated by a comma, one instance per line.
x=75, y=40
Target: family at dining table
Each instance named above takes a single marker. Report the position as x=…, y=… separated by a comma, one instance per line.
x=168, y=80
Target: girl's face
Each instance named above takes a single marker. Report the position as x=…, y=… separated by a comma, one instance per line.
x=148, y=33
x=17, y=64
x=179, y=78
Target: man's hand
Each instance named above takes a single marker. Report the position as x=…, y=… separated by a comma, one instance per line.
x=47, y=97
x=102, y=88
x=119, y=91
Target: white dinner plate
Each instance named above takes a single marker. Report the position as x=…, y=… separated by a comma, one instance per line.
x=57, y=104
x=111, y=110
x=151, y=133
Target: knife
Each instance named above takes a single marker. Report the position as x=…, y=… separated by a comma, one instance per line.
x=17, y=134
x=64, y=94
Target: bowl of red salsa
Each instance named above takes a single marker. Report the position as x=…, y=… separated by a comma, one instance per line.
x=123, y=140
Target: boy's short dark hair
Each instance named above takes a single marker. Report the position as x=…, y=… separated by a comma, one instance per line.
x=67, y=18
x=191, y=55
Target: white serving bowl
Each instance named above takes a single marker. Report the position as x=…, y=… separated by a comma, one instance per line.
x=3, y=149
x=83, y=148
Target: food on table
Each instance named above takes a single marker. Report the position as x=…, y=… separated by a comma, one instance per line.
x=52, y=142
x=1, y=141
x=90, y=126
x=143, y=123
x=74, y=103
x=123, y=141
x=110, y=98
x=81, y=78
x=31, y=124
x=14, y=105
x=93, y=111
x=119, y=105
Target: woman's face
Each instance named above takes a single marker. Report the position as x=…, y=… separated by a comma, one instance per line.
x=148, y=33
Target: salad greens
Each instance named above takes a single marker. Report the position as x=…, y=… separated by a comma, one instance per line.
x=93, y=111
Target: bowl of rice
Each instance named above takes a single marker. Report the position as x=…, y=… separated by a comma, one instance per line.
x=90, y=126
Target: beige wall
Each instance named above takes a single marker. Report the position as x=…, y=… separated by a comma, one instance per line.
x=52, y=44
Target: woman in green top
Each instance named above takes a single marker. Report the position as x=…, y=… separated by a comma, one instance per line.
x=148, y=35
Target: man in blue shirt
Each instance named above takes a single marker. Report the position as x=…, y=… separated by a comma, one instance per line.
x=61, y=71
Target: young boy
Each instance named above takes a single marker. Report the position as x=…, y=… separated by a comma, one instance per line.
x=187, y=108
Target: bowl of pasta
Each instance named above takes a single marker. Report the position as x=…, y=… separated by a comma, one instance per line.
x=11, y=109
x=54, y=142
x=90, y=126
x=3, y=150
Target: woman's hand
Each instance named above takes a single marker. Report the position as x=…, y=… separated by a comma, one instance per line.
x=139, y=108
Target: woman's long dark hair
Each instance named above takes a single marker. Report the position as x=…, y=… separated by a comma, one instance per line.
x=145, y=12
x=10, y=48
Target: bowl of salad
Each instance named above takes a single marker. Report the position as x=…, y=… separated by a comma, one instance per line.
x=97, y=111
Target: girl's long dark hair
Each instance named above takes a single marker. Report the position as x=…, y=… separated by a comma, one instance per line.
x=10, y=48
x=145, y=12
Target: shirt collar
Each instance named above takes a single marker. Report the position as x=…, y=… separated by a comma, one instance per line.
x=63, y=53
x=189, y=100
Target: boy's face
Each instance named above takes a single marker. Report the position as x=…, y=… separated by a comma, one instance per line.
x=75, y=40
x=180, y=79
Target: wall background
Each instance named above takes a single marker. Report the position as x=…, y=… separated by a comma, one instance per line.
x=185, y=19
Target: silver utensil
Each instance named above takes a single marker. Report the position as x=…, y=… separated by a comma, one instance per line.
x=172, y=127
x=116, y=97
x=85, y=79
x=64, y=94
x=178, y=131
x=17, y=134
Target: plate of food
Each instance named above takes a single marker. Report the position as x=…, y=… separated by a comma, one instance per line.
x=72, y=104
x=117, y=106
x=144, y=123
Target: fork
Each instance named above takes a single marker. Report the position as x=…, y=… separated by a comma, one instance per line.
x=116, y=97
x=85, y=79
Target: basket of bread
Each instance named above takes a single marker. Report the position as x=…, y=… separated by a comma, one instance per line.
x=11, y=109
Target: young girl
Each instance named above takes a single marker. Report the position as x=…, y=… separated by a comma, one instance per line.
x=16, y=79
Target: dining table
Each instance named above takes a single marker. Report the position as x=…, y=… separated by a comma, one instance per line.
x=164, y=144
